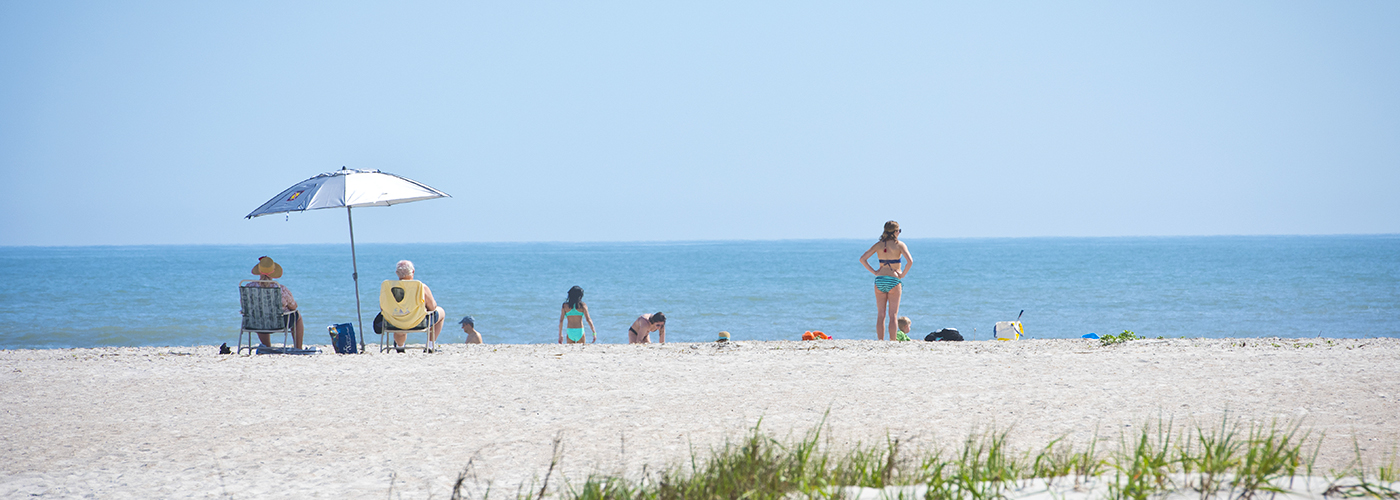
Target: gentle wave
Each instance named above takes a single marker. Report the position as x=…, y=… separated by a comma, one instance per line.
x=1287, y=286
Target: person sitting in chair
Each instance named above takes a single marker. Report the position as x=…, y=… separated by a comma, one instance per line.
x=406, y=296
x=266, y=270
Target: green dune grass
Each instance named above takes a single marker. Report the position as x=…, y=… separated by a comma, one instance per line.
x=1232, y=460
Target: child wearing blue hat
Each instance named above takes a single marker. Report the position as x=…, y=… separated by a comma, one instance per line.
x=469, y=328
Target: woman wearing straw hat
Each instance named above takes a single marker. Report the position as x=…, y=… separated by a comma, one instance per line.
x=889, y=278
x=266, y=270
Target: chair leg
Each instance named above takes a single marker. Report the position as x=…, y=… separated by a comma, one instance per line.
x=253, y=336
x=250, y=342
x=387, y=342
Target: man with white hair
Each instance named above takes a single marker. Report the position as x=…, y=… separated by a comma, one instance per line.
x=434, y=314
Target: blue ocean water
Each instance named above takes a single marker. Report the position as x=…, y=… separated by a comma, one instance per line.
x=1288, y=286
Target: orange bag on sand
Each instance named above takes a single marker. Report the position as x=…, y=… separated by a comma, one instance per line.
x=815, y=335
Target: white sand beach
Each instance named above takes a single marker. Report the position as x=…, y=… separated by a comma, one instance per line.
x=188, y=422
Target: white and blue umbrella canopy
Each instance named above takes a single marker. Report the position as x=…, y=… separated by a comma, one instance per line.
x=348, y=188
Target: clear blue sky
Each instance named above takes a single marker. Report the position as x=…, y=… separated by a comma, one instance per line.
x=155, y=123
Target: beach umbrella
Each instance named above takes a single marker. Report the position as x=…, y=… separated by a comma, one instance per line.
x=349, y=189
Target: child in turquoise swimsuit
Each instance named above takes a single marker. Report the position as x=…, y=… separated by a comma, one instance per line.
x=571, y=317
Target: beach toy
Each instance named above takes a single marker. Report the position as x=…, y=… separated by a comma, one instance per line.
x=1009, y=330
x=1090, y=335
x=808, y=336
x=723, y=337
x=820, y=335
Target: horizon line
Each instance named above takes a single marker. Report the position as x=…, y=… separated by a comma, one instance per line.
x=726, y=240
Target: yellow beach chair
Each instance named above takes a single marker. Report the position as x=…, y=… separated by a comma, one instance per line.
x=403, y=305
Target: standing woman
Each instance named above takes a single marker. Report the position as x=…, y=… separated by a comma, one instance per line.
x=889, y=276
x=575, y=312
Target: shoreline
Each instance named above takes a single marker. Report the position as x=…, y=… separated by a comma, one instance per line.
x=186, y=421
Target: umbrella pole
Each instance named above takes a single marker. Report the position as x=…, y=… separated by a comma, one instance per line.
x=356, y=276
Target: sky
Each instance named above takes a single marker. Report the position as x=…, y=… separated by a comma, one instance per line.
x=131, y=123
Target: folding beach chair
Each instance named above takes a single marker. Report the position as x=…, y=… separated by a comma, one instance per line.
x=261, y=308
x=404, y=308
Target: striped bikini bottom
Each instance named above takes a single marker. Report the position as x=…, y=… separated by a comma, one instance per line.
x=886, y=283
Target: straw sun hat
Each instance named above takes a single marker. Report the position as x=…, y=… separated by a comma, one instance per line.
x=267, y=266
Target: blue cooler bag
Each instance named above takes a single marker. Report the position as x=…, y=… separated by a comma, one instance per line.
x=343, y=338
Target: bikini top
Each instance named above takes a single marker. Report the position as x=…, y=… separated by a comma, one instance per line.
x=573, y=312
x=891, y=261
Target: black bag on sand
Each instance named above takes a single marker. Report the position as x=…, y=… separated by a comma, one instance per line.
x=947, y=334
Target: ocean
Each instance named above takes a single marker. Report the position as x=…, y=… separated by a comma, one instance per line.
x=1218, y=286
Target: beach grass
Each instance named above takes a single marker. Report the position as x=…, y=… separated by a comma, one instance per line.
x=1126, y=336
x=1233, y=460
